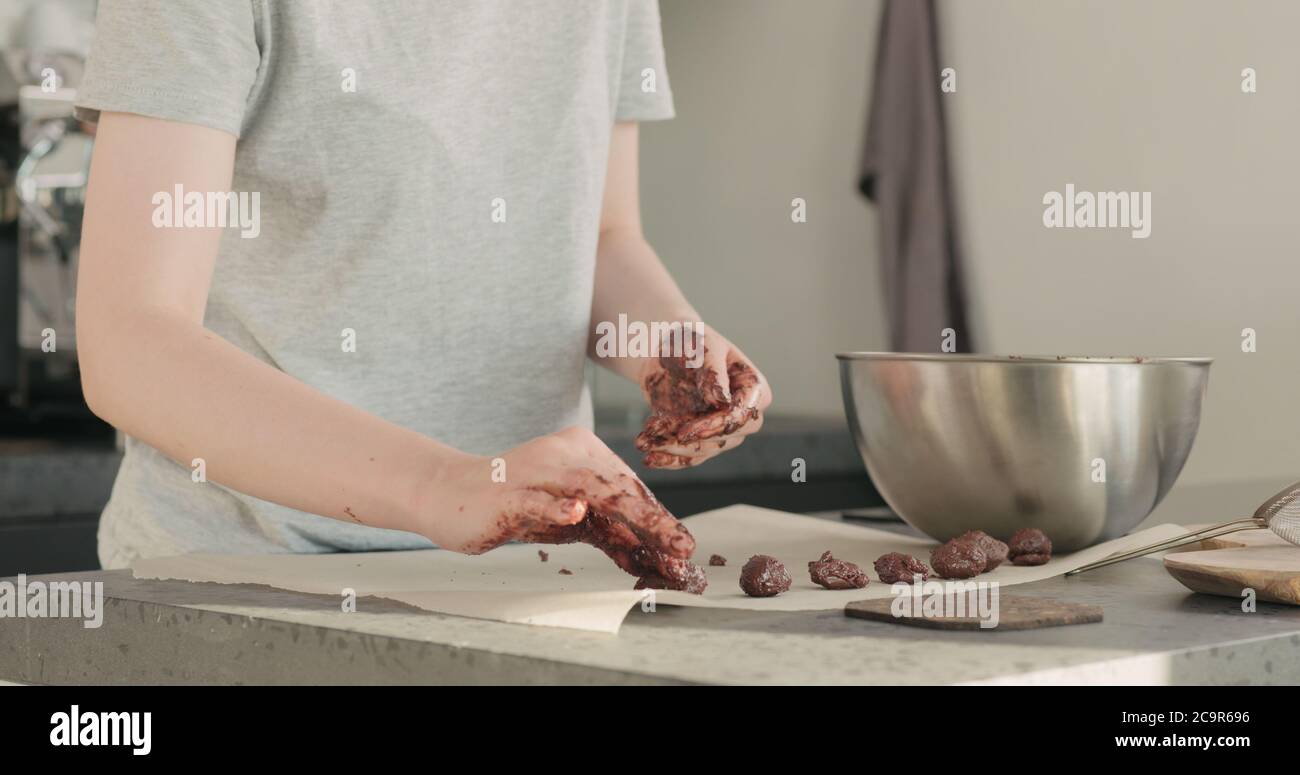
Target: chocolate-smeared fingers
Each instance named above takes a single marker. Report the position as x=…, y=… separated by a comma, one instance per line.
x=633, y=528
x=742, y=409
x=703, y=448
x=537, y=508
x=653, y=523
x=678, y=391
x=623, y=498
x=663, y=572
x=653, y=568
x=657, y=459
x=527, y=512
x=676, y=457
x=679, y=433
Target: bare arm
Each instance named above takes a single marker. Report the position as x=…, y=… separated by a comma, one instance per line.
x=632, y=281
x=630, y=278
x=150, y=368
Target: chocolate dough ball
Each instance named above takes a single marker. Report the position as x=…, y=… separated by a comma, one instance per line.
x=958, y=560
x=1030, y=546
x=717, y=561
x=764, y=576
x=995, y=551
x=836, y=574
x=895, y=567
x=686, y=577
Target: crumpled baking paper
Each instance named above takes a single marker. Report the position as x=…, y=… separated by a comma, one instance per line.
x=512, y=584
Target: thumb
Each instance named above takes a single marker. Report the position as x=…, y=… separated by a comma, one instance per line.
x=714, y=385
x=543, y=508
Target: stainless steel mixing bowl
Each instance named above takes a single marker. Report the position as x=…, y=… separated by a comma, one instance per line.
x=997, y=443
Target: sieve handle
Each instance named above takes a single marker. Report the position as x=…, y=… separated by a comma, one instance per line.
x=1213, y=531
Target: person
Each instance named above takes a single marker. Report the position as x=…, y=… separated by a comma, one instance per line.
x=437, y=205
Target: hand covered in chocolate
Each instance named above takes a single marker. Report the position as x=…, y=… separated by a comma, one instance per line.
x=563, y=488
x=702, y=402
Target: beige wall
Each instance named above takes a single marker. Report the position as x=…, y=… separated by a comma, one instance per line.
x=1105, y=95
x=1141, y=97
x=771, y=98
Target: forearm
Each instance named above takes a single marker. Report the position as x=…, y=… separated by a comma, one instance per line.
x=632, y=281
x=178, y=387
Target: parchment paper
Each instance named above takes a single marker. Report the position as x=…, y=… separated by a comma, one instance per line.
x=511, y=584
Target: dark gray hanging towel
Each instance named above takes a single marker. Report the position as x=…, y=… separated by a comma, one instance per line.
x=905, y=173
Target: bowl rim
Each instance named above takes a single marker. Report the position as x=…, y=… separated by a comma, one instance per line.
x=1134, y=360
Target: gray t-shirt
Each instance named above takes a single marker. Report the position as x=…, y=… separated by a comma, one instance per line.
x=381, y=214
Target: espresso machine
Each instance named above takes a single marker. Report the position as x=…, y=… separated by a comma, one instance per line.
x=44, y=167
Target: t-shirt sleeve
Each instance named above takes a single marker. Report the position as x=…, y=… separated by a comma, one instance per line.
x=644, y=93
x=194, y=61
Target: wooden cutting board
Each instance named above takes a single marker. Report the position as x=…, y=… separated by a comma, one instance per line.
x=1015, y=612
x=1228, y=565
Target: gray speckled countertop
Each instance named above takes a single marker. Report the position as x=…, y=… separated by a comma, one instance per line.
x=1155, y=631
